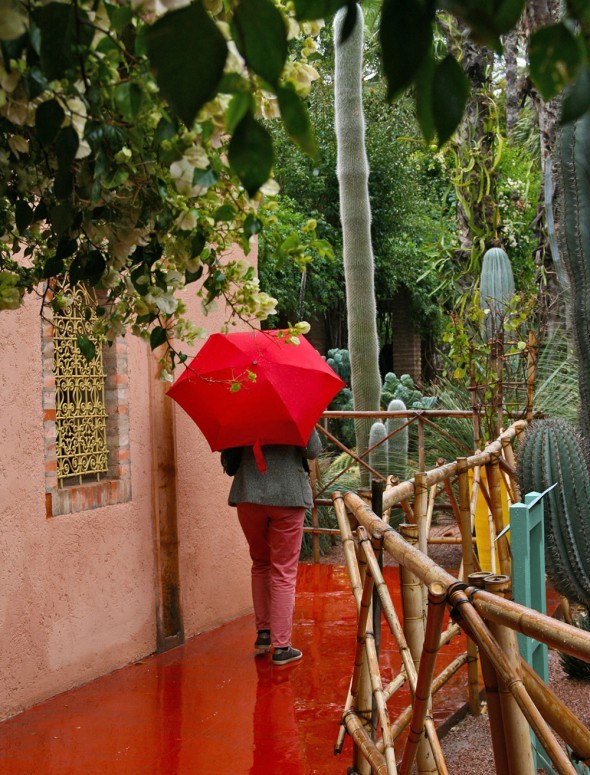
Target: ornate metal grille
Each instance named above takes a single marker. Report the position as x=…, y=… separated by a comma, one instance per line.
x=80, y=416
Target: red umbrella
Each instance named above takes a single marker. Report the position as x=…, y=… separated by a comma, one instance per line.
x=292, y=387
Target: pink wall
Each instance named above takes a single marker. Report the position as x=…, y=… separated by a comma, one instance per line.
x=77, y=591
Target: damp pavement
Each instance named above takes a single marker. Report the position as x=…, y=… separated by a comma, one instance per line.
x=212, y=706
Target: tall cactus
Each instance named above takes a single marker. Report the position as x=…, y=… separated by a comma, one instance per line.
x=398, y=444
x=355, y=215
x=550, y=452
x=574, y=235
x=496, y=289
x=378, y=457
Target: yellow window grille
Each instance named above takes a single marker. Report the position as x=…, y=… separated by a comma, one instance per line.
x=80, y=415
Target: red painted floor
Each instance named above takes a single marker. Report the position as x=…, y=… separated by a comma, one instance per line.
x=211, y=706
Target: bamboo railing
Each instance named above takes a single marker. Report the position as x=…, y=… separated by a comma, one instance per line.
x=480, y=606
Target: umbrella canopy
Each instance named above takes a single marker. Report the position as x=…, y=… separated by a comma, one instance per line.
x=292, y=387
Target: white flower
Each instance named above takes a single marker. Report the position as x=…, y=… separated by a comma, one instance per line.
x=183, y=172
x=270, y=188
x=186, y=221
x=18, y=145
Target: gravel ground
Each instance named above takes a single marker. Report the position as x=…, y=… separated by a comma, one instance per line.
x=467, y=746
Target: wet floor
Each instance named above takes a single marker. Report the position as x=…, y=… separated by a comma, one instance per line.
x=212, y=707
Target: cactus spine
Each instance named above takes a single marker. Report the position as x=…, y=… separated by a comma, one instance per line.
x=552, y=451
x=355, y=215
x=574, y=234
x=496, y=289
x=378, y=457
x=398, y=444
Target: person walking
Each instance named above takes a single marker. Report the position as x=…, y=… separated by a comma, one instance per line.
x=271, y=508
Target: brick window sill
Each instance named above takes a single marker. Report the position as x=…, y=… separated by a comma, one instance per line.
x=84, y=497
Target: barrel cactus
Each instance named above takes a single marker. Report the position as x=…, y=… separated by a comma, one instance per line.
x=551, y=451
x=355, y=215
x=378, y=457
x=397, y=445
x=496, y=289
x=574, y=237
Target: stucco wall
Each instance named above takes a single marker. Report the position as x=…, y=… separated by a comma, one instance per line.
x=77, y=593
x=76, y=590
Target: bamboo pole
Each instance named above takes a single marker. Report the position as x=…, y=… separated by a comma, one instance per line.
x=431, y=498
x=516, y=729
x=441, y=679
x=348, y=547
x=558, y=716
x=412, y=602
x=468, y=569
x=405, y=490
x=413, y=611
x=557, y=635
x=421, y=510
x=421, y=463
x=490, y=680
x=510, y=458
x=361, y=689
x=377, y=686
x=489, y=645
x=495, y=490
x=362, y=739
x=409, y=668
x=422, y=695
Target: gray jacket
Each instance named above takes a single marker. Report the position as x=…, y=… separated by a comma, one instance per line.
x=285, y=481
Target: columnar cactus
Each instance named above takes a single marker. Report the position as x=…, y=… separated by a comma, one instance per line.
x=574, y=235
x=355, y=215
x=378, y=457
x=550, y=452
x=398, y=444
x=496, y=289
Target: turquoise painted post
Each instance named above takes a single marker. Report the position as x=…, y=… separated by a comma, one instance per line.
x=527, y=542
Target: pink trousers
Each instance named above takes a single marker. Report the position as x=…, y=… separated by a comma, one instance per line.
x=274, y=537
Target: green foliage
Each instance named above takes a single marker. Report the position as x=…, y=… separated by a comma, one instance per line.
x=133, y=152
x=494, y=369
x=292, y=256
x=551, y=452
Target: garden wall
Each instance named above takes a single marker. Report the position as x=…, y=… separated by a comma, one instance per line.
x=78, y=589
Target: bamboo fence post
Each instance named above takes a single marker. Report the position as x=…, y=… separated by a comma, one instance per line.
x=490, y=680
x=407, y=662
x=495, y=490
x=348, y=547
x=468, y=569
x=360, y=688
x=511, y=679
x=430, y=510
x=421, y=455
x=558, y=716
x=511, y=460
x=441, y=679
x=516, y=729
x=363, y=742
x=422, y=695
x=413, y=610
x=421, y=510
